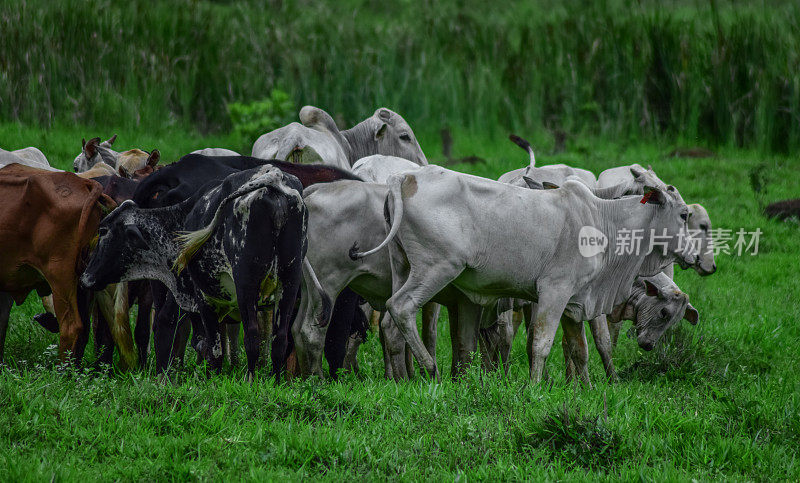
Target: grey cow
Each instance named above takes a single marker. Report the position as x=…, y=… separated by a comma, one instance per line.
x=452, y=229
x=317, y=140
x=553, y=173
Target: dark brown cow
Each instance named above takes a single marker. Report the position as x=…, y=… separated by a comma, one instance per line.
x=47, y=222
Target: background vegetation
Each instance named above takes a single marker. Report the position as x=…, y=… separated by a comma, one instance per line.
x=723, y=72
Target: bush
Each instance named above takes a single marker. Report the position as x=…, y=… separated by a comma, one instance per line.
x=250, y=120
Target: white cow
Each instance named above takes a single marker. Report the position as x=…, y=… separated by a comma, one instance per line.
x=452, y=230
x=316, y=139
x=29, y=156
x=553, y=173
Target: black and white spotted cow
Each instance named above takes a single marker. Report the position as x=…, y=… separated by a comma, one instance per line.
x=242, y=242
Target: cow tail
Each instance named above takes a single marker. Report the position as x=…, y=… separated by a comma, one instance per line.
x=524, y=144
x=327, y=306
x=192, y=241
x=396, y=198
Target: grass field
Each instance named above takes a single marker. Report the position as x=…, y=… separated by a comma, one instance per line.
x=719, y=399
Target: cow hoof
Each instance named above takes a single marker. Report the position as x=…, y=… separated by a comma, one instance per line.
x=48, y=321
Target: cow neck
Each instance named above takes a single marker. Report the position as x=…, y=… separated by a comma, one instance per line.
x=614, y=281
x=361, y=140
x=160, y=230
x=628, y=187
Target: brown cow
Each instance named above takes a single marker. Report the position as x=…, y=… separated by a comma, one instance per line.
x=47, y=223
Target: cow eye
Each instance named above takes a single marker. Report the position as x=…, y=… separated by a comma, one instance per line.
x=103, y=231
x=405, y=137
x=684, y=216
x=664, y=313
x=704, y=227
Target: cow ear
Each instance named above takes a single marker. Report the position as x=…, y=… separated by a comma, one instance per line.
x=154, y=158
x=653, y=196
x=135, y=237
x=650, y=289
x=381, y=131
x=691, y=314
x=385, y=114
x=111, y=140
x=636, y=173
x=90, y=148
x=532, y=184
x=550, y=186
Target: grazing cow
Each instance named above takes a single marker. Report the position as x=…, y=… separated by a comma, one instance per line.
x=783, y=210
x=191, y=175
x=45, y=253
x=555, y=174
x=633, y=184
x=245, y=241
x=94, y=152
x=699, y=224
x=134, y=161
x=377, y=168
x=29, y=156
x=215, y=152
x=655, y=304
x=452, y=230
x=317, y=140
x=329, y=240
x=114, y=301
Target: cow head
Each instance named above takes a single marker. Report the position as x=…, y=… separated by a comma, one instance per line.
x=642, y=178
x=387, y=133
x=120, y=246
x=670, y=230
x=395, y=137
x=135, y=160
x=660, y=306
x=93, y=152
x=699, y=225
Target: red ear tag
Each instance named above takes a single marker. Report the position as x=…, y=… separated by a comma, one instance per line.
x=646, y=197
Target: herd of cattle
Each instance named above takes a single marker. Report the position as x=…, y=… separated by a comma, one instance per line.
x=323, y=234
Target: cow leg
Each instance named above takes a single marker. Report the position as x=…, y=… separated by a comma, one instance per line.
x=265, y=327
x=388, y=370
x=430, y=319
x=310, y=327
x=252, y=334
x=231, y=341
x=394, y=348
x=212, y=348
x=455, y=346
x=602, y=341
x=358, y=334
x=72, y=309
x=5, y=311
x=141, y=334
x=576, y=349
x=344, y=310
x=407, y=300
x=542, y=331
x=103, y=342
x=120, y=325
x=165, y=327
x=47, y=319
x=613, y=329
x=492, y=342
x=469, y=315
x=282, y=342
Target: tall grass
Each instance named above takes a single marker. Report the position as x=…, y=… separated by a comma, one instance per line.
x=726, y=73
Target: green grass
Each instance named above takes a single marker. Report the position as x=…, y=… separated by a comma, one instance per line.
x=718, y=400
x=724, y=72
